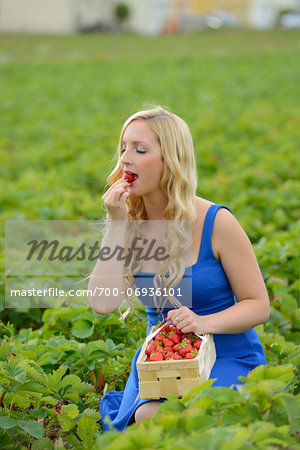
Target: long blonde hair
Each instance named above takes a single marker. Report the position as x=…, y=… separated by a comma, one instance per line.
x=178, y=183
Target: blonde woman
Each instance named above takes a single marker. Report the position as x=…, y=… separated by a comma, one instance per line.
x=229, y=296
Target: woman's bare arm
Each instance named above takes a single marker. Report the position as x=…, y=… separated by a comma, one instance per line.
x=232, y=247
x=108, y=274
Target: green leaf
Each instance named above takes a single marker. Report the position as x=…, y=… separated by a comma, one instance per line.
x=86, y=429
x=92, y=413
x=33, y=370
x=21, y=400
x=15, y=372
x=34, y=429
x=67, y=413
x=53, y=379
x=169, y=421
x=66, y=422
x=40, y=413
x=70, y=410
x=7, y=422
x=287, y=410
x=260, y=431
x=193, y=419
x=30, y=387
x=7, y=328
x=239, y=414
x=71, y=380
x=50, y=400
x=191, y=395
x=5, y=350
x=284, y=373
x=82, y=328
x=42, y=444
x=72, y=439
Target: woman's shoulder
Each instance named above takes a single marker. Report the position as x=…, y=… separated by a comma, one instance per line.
x=225, y=229
x=227, y=233
x=202, y=205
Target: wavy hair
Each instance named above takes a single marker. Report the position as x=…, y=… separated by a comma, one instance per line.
x=178, y=183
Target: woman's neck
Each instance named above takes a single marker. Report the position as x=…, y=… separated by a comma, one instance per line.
x=155, y=207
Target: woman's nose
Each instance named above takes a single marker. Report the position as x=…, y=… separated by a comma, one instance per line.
x=125, y=157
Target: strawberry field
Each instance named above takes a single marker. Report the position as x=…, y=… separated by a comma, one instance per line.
x=63, y=101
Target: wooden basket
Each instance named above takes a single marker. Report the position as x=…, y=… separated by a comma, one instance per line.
x=157, y=379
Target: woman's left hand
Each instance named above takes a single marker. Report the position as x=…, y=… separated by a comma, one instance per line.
x=186, y=320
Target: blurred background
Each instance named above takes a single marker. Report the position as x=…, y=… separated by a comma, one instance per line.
x=146, y=17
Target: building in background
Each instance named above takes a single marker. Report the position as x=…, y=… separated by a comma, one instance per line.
x=147, y=17
x=259, y=14
x=52, y=16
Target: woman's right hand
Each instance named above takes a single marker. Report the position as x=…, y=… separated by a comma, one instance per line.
x=115, y=198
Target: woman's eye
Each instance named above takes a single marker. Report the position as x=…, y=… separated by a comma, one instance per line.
x=137, y=149
x=140, y=150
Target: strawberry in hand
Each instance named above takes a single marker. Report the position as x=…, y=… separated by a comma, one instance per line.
x=129, y=177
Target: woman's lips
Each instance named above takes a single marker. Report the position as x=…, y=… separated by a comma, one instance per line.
x=130, y=177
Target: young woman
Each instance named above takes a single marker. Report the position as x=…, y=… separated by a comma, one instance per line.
x=229, y=296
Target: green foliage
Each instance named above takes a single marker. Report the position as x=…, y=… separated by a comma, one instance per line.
x=63, y=103
x=122, y=12
x=51, y=383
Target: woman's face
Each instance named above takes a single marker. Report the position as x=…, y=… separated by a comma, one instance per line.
x=141, y=156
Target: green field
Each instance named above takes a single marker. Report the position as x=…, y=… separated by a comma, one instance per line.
x=63, y=102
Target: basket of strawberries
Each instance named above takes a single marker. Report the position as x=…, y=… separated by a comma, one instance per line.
x=171, y=362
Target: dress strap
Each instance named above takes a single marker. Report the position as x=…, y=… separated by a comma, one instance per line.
x=206, y=247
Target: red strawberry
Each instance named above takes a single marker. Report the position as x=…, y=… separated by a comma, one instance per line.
x=168, y=342
x=160, y=349
x=185, y=347
x=160, y=337
x=186, y=336
x=176, y=347
x=157, y=356
x=176, y=357
x=168, y=349
x=175, y=338
x=189, y=356
x=166, y=328
x=169, y=355
x=183, y=351
x=129, y=177
x=197, y=343
x=151, y=348
x=174, y=329
x=192, y=354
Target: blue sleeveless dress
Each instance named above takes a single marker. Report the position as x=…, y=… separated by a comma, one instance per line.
x=237, y=354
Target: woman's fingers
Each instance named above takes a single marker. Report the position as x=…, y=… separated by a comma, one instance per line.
x=115, y=198
x=174, y=315
x=180, y=317
x=119, y=183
